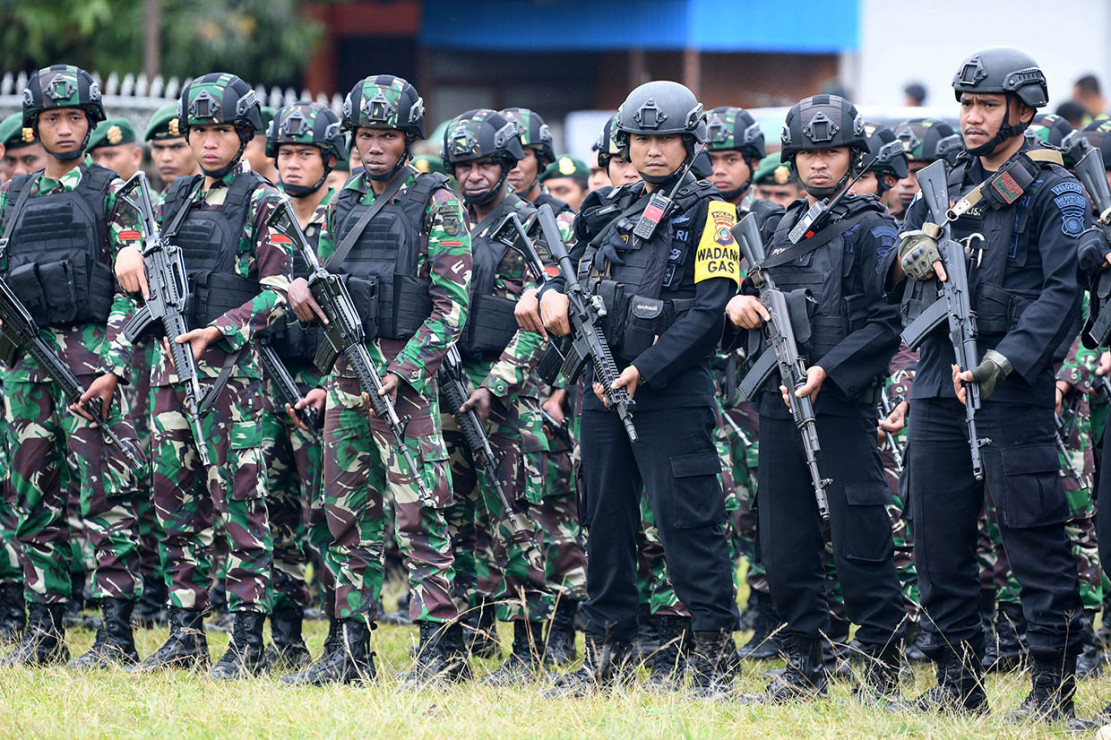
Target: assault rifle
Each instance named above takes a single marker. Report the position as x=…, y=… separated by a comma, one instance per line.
x=953, y=304
x=288, y=393
x=585, y=312
x=344, y=332
x=167, y=303
x=1090, y=171
x=886, y=409
x=782, y=353
x=19, y=333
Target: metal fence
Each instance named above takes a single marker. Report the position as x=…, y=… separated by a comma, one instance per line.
x=137, y=98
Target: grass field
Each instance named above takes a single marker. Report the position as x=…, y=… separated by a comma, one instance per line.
x=58, y=703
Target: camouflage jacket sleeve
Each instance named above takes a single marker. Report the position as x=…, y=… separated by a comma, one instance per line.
x=903, y=367
x=513, y=370
x=267, y=255
x=1078, y=367
x=124, y=230
x=448, y=266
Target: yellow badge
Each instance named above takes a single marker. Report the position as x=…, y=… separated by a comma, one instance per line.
x=718, y=254
x=173, y=127
x=782, y=174
x=115, y=136
x=566, y=166
x=28, y=135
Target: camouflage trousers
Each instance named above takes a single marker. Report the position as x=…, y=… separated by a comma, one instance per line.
x=901, y=535
x=479, y=520
x=190, y=497
x=139, y=399
x=561, y=534
x=744, y=453
x=292, y=460
x=653, y=582
x=360, y=469
x=41, y=434
x=10, y=570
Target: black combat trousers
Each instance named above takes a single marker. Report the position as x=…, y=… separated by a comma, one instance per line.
x=790, y=537
x=1021, y=469
x=675, y=461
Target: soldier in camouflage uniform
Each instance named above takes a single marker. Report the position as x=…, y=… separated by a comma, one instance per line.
x=399, y=237
x=305, y=140
x=52, y=221
x=482, y=147
x=239, y=270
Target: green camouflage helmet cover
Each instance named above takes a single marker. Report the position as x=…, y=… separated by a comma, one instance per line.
x=62, y=86
x=534, y=133
x=219, y=97
x=481, y=133
x=384, y=101
x=929, y=139
x=305, y=122
x=731, y=128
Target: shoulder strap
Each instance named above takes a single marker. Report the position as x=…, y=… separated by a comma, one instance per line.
x=495, y=216
x=379, y=203
x=177, y=203
x=793, y=252
x=1010, y=182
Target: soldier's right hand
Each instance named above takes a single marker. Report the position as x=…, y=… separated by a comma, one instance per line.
x=527, y=313
x=553, y=312
x=920, y=257
x=746, y=312
x=303, y=304
x=313, y=399
x=1104, y=367
x=131, y=272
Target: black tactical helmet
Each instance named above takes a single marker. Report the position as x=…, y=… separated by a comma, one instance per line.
x=219, y=97
x=1002, y=69
x=1098, y=134
x=929, y=139
x=384, y=101
x=534, y=133
x=732, y=128
x=886, y=155
x=482, y=133
x=62, y=86
x=658, y=108
x=605, y=145
x=305, y=122
x=821, y=122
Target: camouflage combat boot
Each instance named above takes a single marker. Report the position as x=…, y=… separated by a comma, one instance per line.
x=440, y=656
x=13, y=614
x=44, y=640
x=115, y=642
x=480, y=632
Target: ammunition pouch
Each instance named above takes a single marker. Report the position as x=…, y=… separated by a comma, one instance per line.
x=216, y=293
x=490, y=327
x=64, y=292
x=391, y=307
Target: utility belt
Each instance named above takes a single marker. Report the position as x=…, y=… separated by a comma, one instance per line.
x=65, y=292
x=391, y=306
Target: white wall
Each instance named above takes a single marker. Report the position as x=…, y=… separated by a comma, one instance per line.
x=926, y=42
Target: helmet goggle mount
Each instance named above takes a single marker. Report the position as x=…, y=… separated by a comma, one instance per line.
x=60, y=88
x=295, y=124
x=821, y=128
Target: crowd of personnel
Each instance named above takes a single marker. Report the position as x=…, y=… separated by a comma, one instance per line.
x=867, y=373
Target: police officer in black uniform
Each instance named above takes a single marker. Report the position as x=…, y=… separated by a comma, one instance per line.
x=664, y=360
x=1025, y=296
x=853, y=335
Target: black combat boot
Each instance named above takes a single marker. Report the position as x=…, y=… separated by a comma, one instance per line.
x=72, y=615
x=1053, y=685
x=764, y=643
x=647, y=641
x=347, y=660
x=287, y=651
x=480, y=632
x=1007, y=652
x=1089, y=664
x=804, y=678
x=115, y=643
x=150, y=609
x=960, y=685
x=525, y=663
x=713, y=664
x=670, y=660
x=246, y=653
x=441, y=656
x=186, y=647
x=561, y=634
x=914, y=644
x=879, y=672
x=606, y=664
x=13, y=615
x=44, y=640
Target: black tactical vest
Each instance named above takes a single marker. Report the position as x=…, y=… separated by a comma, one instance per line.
x=490, y=321
x=209, y=240
x=646, y=294
x=55, y=250
x=832, y=314
x=382, y=265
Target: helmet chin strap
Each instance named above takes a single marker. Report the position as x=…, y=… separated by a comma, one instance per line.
x=304, y=191
x=1006, y=131
x=826, y=192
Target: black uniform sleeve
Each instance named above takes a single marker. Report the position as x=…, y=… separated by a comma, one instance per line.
x=892, y=291
x=866, y=353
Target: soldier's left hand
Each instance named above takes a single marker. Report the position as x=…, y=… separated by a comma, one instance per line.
x=480, y=401
x=103, y=388
x=896, y=420
x=628, y=379
x=390, y=383
x=815, y=376
x=199, y=339
x=313, y=399
x=992, y=369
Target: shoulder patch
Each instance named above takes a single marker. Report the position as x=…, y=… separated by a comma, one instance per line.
x=1067, y=186
x=718, y=254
